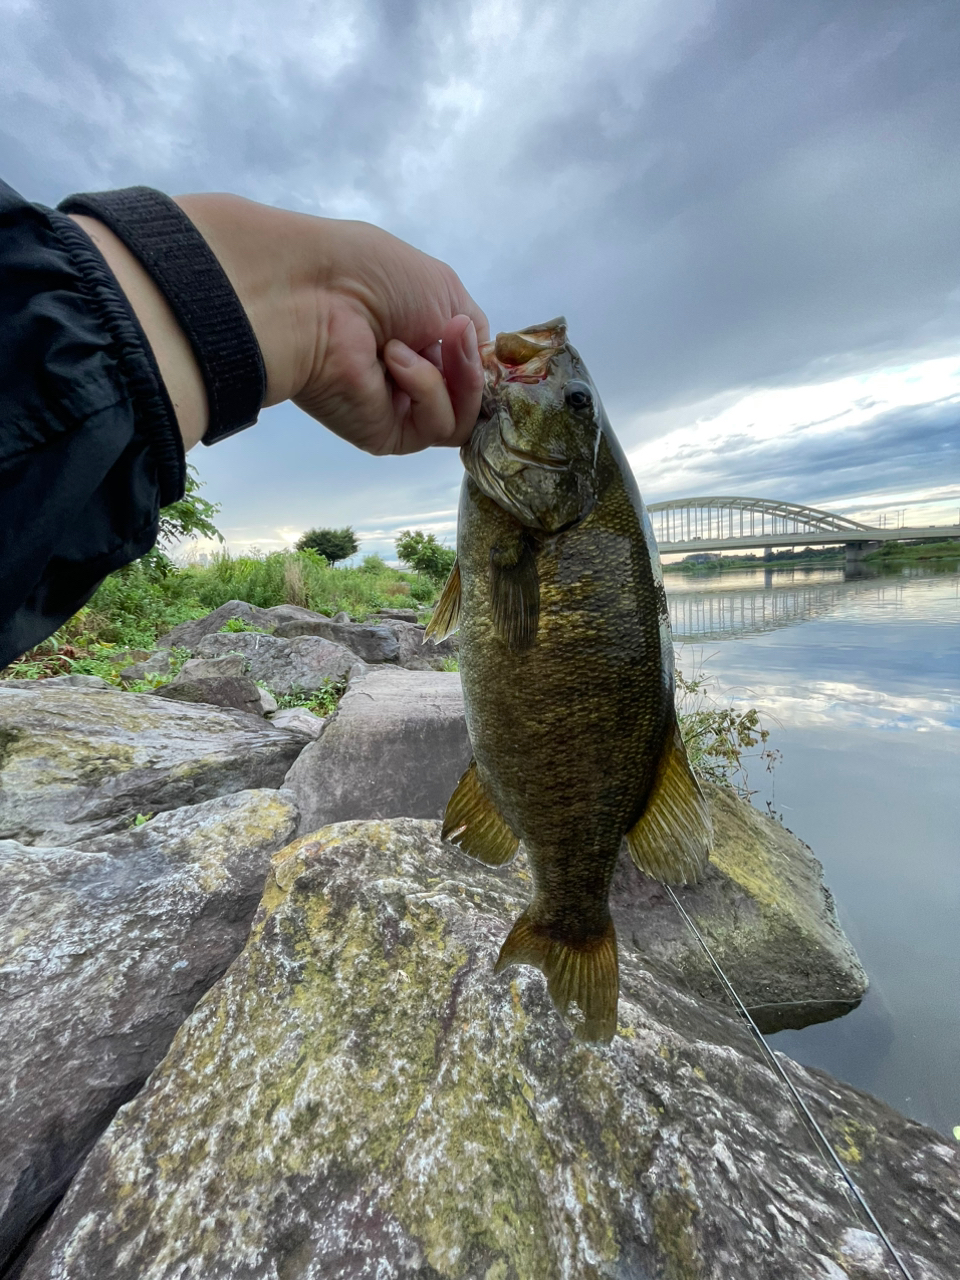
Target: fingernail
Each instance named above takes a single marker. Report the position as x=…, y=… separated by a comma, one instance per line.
x=401, y=354
x=468, y=341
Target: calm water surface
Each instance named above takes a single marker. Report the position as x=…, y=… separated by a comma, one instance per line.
x=859, y=682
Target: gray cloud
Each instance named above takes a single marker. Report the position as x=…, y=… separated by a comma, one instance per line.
x=718, y=196
x=901, y=449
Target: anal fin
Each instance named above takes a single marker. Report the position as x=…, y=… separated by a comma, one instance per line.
x=584, y=973
x=446, y=614
x=672, y=839
x=473, y=822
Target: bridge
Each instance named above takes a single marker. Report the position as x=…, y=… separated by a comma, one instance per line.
x=739, y=524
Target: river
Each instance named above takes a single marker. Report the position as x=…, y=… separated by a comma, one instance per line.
x=859, y=682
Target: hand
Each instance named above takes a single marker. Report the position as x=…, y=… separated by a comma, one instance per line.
x=366, y=334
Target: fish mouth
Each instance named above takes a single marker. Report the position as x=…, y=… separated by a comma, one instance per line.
x=524, y=355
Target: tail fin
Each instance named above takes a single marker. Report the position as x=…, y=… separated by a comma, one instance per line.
x=585, y=973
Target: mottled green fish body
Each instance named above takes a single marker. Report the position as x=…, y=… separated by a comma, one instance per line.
x=567, y=669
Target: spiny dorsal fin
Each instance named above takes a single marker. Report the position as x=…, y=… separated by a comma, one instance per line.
x=473, y=822
x=583, y=973
x=672, y=840
x=515, y=590
x=446, y=615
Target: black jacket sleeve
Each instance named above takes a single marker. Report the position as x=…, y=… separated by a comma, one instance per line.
x=90, y=449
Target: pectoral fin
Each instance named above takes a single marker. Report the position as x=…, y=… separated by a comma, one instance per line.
x=473, y=822
x=585, y=973
x=672, y=840
x=446, y=615
x=515, y=589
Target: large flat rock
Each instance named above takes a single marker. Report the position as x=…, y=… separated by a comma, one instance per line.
x=79, y=763
x=103, y=953
x=360, y=1096
x=765, y=913
x=395, y=748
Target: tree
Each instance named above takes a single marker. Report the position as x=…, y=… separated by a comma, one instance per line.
x=191, y=516
x=422, y=551
x=332, y=544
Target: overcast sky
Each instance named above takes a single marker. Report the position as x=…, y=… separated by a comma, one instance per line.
x=749, y=212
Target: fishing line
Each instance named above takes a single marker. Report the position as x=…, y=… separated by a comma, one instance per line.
x=804, y=1111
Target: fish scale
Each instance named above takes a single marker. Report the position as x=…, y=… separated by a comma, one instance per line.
x=567, y=670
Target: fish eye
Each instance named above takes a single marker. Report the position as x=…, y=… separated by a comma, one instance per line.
x=578, y=395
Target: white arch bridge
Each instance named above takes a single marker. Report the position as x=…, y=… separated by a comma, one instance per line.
x=738, y=524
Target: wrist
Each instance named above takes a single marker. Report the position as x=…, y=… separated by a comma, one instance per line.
x=174, y=356
x=261, y=251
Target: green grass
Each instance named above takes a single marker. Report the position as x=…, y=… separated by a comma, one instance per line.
x=914, y=551
x=304, y=578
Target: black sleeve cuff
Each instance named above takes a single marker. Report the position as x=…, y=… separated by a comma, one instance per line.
x=185, y=269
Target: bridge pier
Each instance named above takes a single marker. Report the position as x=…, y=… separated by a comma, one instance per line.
x=768, y=553
x=854, y=566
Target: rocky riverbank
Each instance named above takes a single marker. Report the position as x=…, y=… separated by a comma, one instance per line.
x=356, y=1094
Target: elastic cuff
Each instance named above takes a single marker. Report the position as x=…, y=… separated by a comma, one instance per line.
x=185, y=269
x=154, y=413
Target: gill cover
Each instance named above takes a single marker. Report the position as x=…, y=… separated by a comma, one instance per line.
x=534, y=449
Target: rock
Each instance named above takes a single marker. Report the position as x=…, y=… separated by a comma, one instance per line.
x=361, y=1096
x=372, y=644
x=231, y=664
x=239, y=692
x=156, y=664
x=189, y=634
x=765, y=913
x=395, y=748
x=268, y=703
x=304, y=663
x=400, y=615
x=62, y=682
x=342, y=616
x=128, y=656
x=418, y=654
x=292, y=613
x=299, y=720
x=104, y=953
x=75, y=764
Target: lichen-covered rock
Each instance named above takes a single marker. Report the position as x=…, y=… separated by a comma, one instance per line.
x=362, y=1097
x=395, y=748
x=765, y=913
x=103, y=953
x=304, y=663
x=78, y=763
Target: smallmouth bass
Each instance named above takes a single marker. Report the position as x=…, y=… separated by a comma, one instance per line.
x=567, y=669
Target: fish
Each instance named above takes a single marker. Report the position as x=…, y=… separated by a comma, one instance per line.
x=567, y=666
